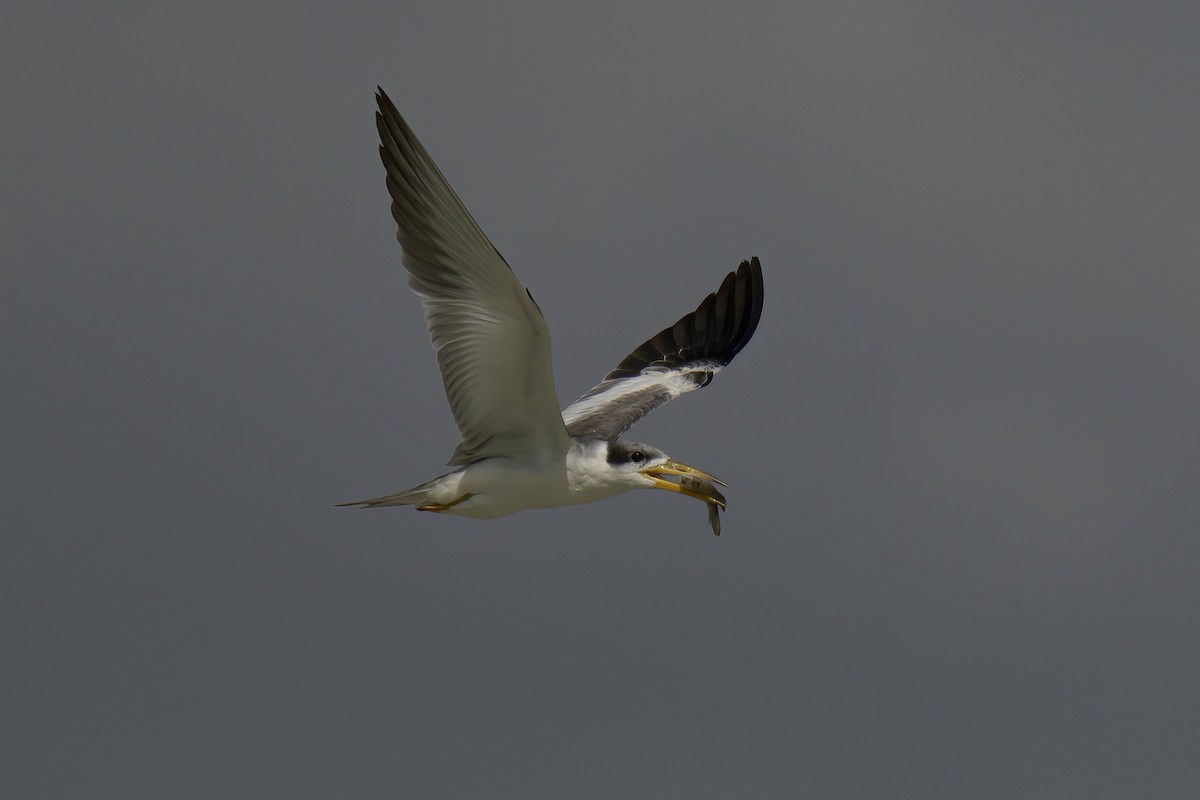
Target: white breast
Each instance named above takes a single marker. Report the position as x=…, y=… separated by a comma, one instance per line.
x=500, y=486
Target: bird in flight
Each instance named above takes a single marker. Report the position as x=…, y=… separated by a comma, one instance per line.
x=518, y=451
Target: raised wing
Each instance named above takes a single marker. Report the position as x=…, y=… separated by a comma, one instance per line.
x=680, y=359
x=492, y=343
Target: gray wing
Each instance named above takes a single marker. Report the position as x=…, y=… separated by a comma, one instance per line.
x=680, y=359
x=492, y=343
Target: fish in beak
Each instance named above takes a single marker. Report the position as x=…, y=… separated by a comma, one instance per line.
x=692, y=482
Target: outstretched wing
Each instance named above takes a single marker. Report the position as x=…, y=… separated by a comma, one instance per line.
x=680, y=359
x=492, y=343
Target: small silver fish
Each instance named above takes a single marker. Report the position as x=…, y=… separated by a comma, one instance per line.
x=712, y=498
x=714, y=518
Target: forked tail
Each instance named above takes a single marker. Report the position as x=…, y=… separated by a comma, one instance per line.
x=418, y=495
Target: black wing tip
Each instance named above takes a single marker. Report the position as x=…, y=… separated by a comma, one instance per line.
x=750, y=278
x=718, y=338
x=389, y=122
x=384, y=105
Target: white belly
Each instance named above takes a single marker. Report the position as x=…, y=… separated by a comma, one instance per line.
x=500, y=486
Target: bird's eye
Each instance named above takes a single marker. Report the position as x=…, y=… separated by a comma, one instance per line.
x=637, y=456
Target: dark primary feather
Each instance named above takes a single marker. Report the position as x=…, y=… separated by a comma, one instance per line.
x=716, y=331
x=678, y=359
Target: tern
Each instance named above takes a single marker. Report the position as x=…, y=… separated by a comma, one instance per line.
x=518, y=450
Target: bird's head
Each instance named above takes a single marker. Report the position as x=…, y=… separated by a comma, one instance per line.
x=641, y=466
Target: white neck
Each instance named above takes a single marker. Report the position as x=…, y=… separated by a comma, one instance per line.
x=589, y=476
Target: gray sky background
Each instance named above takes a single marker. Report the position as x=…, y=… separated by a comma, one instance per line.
x=961, y=553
